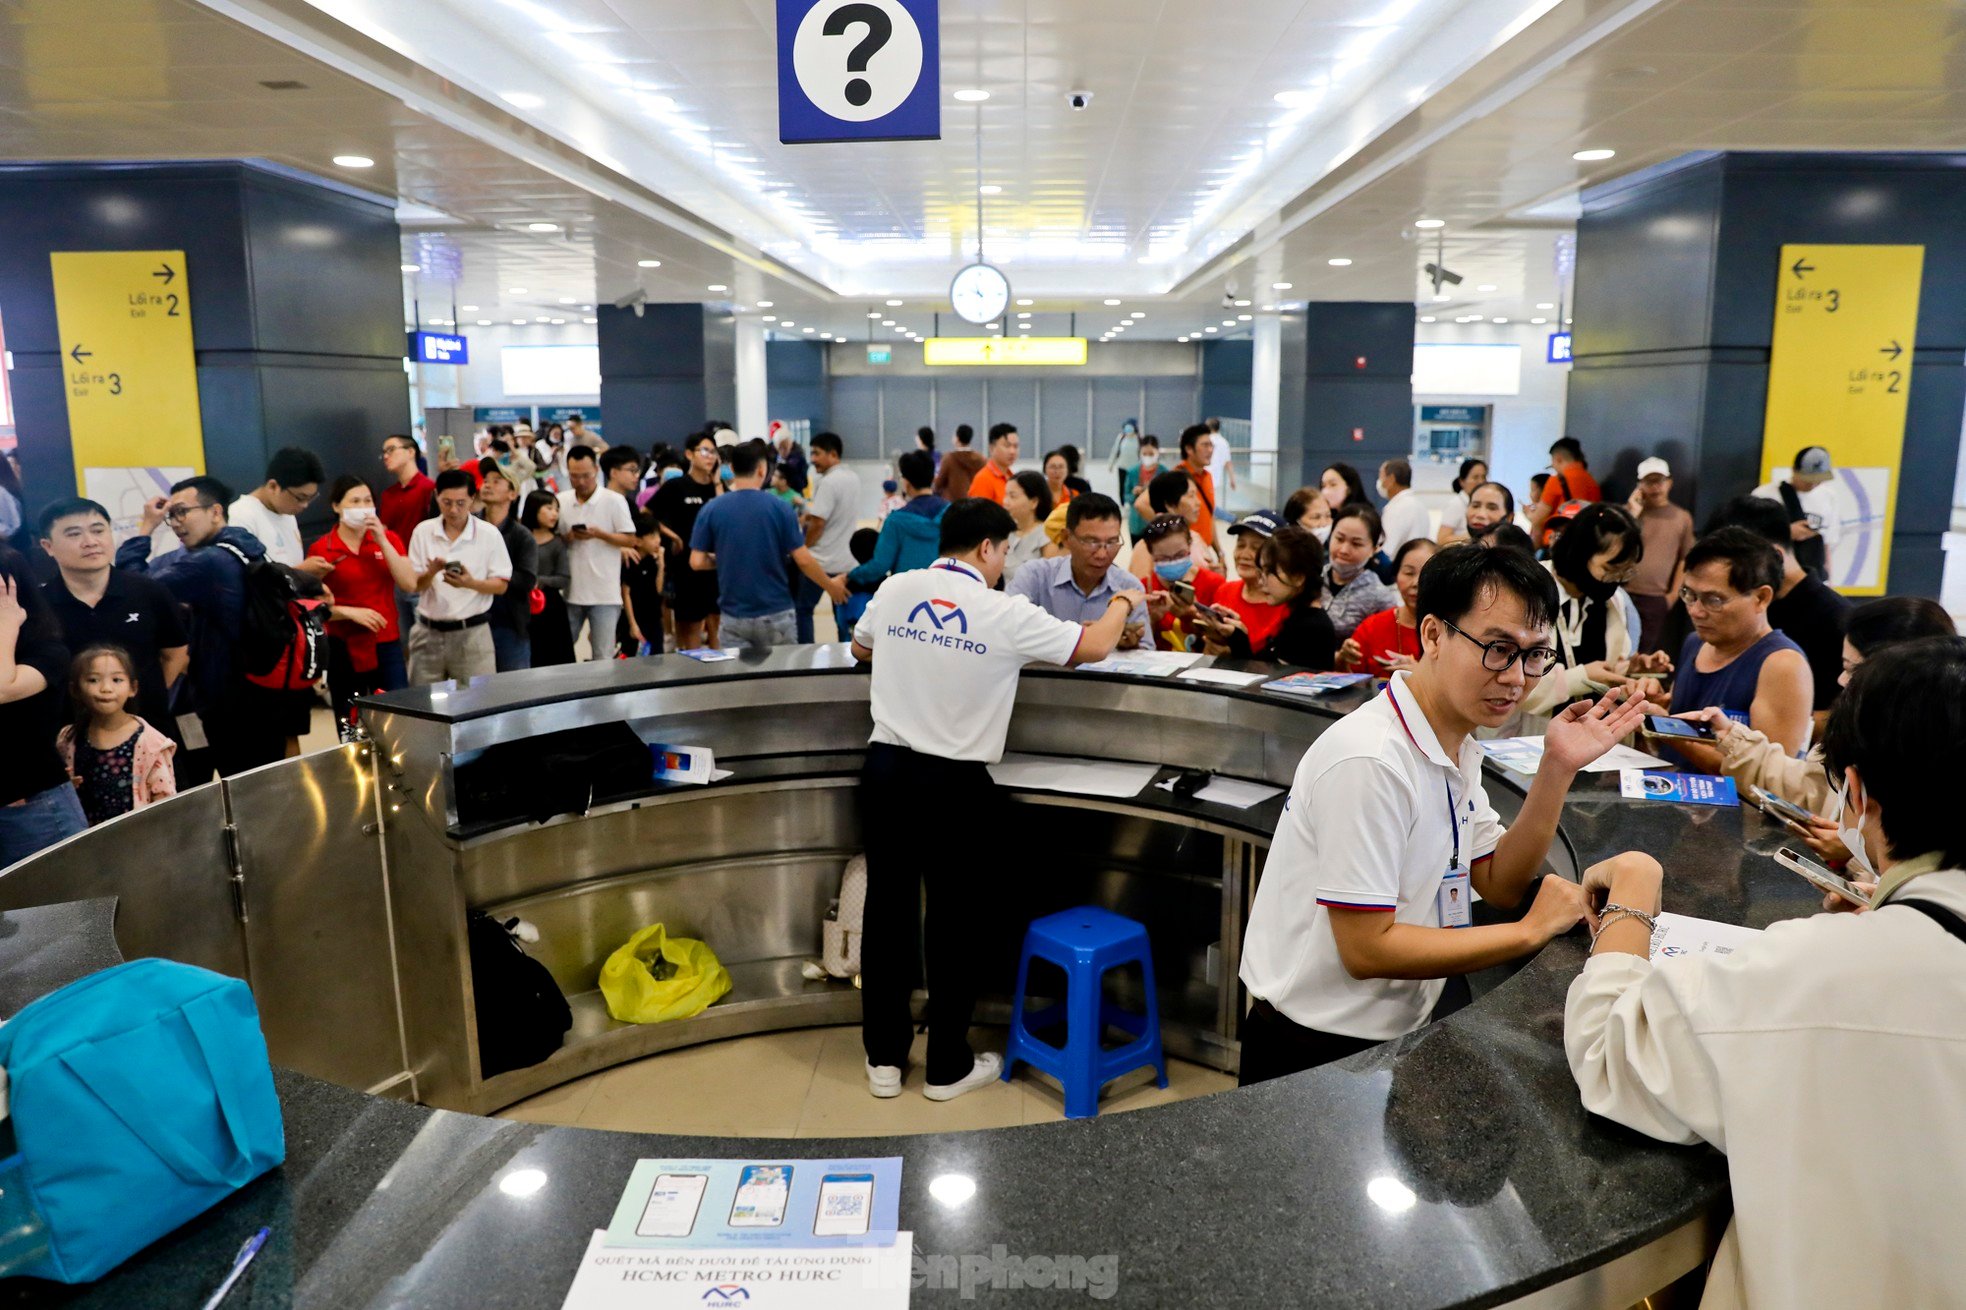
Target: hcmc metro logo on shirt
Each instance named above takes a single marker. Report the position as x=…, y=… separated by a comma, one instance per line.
x=942, y=616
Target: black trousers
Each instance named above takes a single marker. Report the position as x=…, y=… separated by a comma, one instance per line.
x=1273, y=1045
x=907, y=801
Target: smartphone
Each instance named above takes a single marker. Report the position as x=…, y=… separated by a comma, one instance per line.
x=672, y=1206
x=1662, y=725
x=846, y=1205
x=1185, y=590
x=762, y=1193
x=1819, y=876
x=453, y=567
x=579, y=530
x=1774, y=805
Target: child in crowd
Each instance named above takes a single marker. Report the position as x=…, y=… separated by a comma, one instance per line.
x=781, y=487
x=641, y=592
x=891, y=499
x=117, y=761
x=862, y=544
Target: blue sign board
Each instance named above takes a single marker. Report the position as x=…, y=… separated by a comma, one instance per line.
x=1559, y=348
x=439, y=348
x=1453, y=413
x=502, y=414
x=859, y=70
x=589, y=414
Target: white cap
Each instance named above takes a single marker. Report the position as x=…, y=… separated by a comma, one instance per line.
x=1647, y=467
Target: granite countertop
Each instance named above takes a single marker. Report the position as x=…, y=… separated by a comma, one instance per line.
x=1453, y=1167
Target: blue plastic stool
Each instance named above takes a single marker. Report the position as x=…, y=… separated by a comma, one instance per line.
x=1085, y=943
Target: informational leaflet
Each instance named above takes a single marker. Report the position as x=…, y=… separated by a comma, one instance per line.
x=696, y=1204
x=1220, y=677
x=1315, y=684
x=708, y=654
x=1076, y=777
x=827, y=1278
x=1525, y=755
x=1237, y=793
x=1143, y=663
x=1677, y=935
x=1682, y=788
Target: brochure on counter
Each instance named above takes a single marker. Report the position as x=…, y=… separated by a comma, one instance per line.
x=829, y=1278
x=1525, y=755
x=1142, y=663
x=678, y=1204
x=1677, y=936
x=1315, y=684
x=1680, y=788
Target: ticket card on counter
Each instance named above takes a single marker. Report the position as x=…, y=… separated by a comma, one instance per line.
x=1684, y=788
x=833, y=1278
x=703, y=1204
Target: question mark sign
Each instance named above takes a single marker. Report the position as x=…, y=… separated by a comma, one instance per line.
x=879, y=28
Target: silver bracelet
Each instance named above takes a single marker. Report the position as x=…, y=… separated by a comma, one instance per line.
x=1613, y=913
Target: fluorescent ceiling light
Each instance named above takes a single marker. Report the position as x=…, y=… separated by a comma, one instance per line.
x=1279, y=286
x=412, y=268
x=522, y=99
x=1593, y=156
x=353, y=161
x=875, y=314
x=1545, y=305
x=972, y=95
x=771, y=318
x=764, y=304
x=468, y=308
x=484, y=322
x=566, y=300
x=1025, y=302
x=718, y=286
x=1486, y=286
x=887, y=322
x=991, y=189
x=1242, y=318
x=1428, y=318
x=1112, y=302
x=1242, y=304
x=648, y=263
x=1339, y=263
x=590, y=320
x=894, y=304
x=1429, y=224
x=542, y=227
x=1539, y=320
x=515, y=291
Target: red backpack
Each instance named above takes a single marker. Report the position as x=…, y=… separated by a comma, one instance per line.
x=283, y=629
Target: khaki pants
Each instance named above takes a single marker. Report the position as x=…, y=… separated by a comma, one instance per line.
x=435, y=656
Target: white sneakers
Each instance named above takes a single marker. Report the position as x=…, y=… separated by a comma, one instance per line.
x=989, y=1068
x=884, y=1080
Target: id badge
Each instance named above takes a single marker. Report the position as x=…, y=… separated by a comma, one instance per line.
x=1456, y=893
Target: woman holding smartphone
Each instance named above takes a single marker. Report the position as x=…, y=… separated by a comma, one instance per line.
x=1388, y=641
x=1764, y=1052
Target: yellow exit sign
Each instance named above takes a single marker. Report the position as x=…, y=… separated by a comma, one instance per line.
x=1000, y=351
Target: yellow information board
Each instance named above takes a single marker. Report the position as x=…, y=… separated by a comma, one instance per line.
x=984, y=351
x=1839, y=376
x=131, y=376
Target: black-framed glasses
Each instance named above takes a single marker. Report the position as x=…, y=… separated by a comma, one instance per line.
x=1498, y=655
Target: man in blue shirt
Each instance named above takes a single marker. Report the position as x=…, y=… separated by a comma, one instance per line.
x=1078, y=585
x=746, y=536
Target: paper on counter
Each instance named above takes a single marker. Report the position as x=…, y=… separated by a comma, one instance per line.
x=1525, y=755
x=833, y=1278
x=1142, y=663
x=1237, y=793
x=1680, y=935
x=1078, y=777
x=1221, y=677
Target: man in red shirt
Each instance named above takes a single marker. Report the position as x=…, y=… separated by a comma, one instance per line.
x=405, y=503
x=1571, y=480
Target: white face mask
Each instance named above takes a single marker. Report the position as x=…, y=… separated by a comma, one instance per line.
x=358, y=517
x=1323, y=535
x=1853, y=837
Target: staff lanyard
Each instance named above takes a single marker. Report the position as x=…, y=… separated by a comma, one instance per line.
x=1453, y=826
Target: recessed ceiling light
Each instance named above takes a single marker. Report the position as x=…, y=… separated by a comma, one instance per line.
x=484, y=322
x=875, y=314
x=1180, y=338
x=1242, y=304
x=648, y=263
x=718, y=286
x=1544, y=304
x=990, y=189
x=771, y=318
x=521, y=99
x=1210, y=329
x=542, y=227
x=468, y=308
x=1429, y=224
x=1279, y=286
x=1593, y=156
x=1137, y=314
x=515, y=291
x=1501, y=320
x=518, y=322
x=764, y=304
x=1428, y=318
x=1486, y=286
x=1440, y=296
x=972, y=95
x=1023, y=327
x=412, y=268
x=1025, y=314
x=1296, y=99
x=887, y=322
x=1339, y=263
x=1228, y=322
x=1242, y=318
x=542, y=319
x=353, y=161
x=1539, y=320
x=558, y=321
x=1025, y=302
x=894, y=304
x=566, y=300
x=590, y=320
x=1112, y=302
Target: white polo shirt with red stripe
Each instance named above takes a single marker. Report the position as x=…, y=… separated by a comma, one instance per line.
x=947, y=654
x=1366, y=827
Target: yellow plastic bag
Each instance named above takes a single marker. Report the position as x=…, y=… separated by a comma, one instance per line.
x=654, y=977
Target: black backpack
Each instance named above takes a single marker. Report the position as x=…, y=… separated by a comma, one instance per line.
x=283, y=629
x=522, y=1015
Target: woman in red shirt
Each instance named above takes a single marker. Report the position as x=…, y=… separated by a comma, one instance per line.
x=365, y=568
x=1390, y=640
x=1056, y=469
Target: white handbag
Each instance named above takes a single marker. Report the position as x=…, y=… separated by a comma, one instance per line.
x=840, y=934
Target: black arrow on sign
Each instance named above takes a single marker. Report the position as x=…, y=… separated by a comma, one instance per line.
x=78, y=354
x=166, y=272
x=1893, y=350
x=1799, y=268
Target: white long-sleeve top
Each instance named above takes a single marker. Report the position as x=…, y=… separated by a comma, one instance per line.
x=1828, y=1061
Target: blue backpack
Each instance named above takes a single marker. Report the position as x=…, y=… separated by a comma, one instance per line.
x=140, y=1097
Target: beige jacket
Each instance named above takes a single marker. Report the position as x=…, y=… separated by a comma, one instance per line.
x=1750, y=759
x=1825, y=1059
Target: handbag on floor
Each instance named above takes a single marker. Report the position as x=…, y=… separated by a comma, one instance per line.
x=138, y=1098
x=522, y=1015
x=840, y=933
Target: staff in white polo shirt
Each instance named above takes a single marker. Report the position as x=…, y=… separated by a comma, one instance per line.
x=1363, y=913
x=946, y=649
x=461, y=563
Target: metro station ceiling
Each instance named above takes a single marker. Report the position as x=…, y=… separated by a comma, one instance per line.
x=644, y=133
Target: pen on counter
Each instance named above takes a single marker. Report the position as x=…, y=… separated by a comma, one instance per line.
x=239, y=1263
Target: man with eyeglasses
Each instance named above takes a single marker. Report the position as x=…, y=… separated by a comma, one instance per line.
x=1079, y=585
x=1361, y=929
x=270, y=511
x=229, y=724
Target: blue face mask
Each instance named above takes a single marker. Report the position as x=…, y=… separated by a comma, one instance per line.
x=725, y=473
x=1172, y=570
x=669, y=473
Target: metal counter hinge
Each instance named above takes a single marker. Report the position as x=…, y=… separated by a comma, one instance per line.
x=237, y=878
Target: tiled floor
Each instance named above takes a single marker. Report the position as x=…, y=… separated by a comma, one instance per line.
x=811, y=1083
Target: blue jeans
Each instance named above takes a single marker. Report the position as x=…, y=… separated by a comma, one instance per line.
x=600, y=621
x=761, y=633
x=39, y=822
x=513, y=650
x=805, y=600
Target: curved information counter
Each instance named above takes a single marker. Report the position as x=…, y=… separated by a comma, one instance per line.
x=1452, y=1167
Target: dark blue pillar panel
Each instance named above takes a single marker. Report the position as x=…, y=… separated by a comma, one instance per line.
x=1348, y=387
x=796, y=383
x=666, y=371
x=1226, y=371
x=295, y=304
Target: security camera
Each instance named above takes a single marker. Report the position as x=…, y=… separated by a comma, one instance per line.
x=633, y=300
x=1078, y=100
